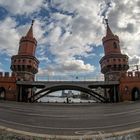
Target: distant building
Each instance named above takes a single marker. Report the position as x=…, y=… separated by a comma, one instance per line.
x=67, y=94
x=64, y=94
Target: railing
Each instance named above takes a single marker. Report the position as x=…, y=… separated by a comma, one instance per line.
x=69, y=78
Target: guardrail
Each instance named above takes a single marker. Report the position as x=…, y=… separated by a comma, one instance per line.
x=68, y=78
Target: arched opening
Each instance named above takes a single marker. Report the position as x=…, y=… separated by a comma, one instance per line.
x=135, y=94
x=46, y=91
x=2, y=93
x=115, y=45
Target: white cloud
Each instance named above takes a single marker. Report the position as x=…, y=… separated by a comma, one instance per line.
x=68, y=66
x=134, y=60
x=69, y=36
x=22, y=6
x=9, y=37
x=124, y=21
x=11, y=34
x=1, y=69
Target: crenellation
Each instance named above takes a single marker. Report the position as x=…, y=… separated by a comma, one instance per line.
x=131, y=75
x=1, y=74
x=7, y=75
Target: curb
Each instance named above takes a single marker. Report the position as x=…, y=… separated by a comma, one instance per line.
x=71, y=137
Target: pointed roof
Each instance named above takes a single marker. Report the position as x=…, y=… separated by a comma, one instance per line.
x=30, y=32
x=108, y=30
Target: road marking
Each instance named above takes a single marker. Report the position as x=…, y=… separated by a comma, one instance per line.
x=86, y=132
x=61, y=128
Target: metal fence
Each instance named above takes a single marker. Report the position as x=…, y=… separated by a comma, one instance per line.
x=69, y=78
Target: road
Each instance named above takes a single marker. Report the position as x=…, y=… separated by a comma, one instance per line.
x=70, y=119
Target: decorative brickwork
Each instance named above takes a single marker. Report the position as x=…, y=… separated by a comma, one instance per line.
x=114, y=62
x=25, y=64
x=130, y=86
x=114, y=66
x=8, y=88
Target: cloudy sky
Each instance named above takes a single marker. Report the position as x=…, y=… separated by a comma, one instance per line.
x=69, y=33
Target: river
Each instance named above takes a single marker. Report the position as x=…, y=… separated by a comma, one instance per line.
x=64, y=100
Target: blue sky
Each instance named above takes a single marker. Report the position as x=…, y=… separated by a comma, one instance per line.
x=69, y=33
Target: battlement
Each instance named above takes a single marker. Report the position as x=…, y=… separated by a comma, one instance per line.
x=131, y=76
x=7, y=74
x=7, y=77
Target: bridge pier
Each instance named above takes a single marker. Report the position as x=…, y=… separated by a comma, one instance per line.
x=113, y=94
x=116, y=92
x=23, y=93
x=19, y=94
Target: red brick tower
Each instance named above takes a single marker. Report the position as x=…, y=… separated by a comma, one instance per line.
x=114, y=62
x=25, y=64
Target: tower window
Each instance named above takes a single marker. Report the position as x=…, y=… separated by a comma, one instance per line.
x=120, y=66
x=115, y=45
x=114, y=59
x=23, y=68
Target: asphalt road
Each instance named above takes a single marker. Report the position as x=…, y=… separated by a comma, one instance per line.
x=70, y=119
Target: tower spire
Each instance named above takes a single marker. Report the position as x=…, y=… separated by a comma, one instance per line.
x=25, y=64
x=30, y=32
x=108, y=30
x=113, y=63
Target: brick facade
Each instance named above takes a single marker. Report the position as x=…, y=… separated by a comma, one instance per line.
x=8, y=88
x=130, y=86
x=114, y=66
x=24, y=66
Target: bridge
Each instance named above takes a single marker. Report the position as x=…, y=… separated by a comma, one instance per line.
x=89, y=87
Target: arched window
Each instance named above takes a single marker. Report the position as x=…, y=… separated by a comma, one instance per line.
x=115, y=45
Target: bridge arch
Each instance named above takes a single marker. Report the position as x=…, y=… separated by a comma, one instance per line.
x=47, y=90
x=2, y=93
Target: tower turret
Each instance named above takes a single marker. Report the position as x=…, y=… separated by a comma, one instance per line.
x=113, y=63
x=25, y=64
